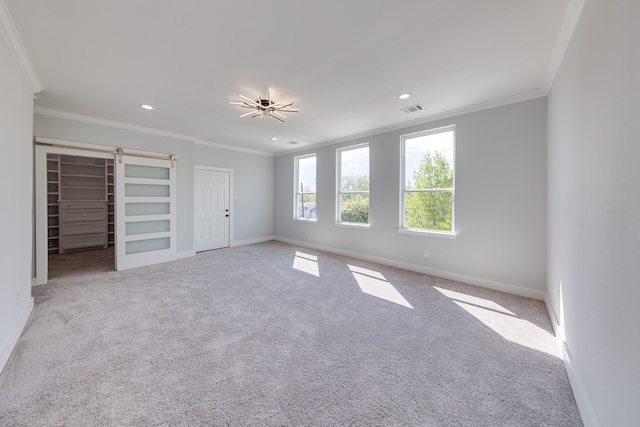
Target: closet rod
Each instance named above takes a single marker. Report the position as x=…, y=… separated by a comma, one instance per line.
x=119, y=152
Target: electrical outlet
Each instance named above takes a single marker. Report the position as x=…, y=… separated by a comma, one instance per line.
x=426, y=253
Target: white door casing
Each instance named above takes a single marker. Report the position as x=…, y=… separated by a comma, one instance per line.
x=145, y=212
x=213, y=216
x=41, y=234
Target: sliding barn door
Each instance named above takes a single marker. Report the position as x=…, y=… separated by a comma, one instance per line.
x=146, y=212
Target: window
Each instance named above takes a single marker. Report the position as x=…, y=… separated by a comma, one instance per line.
x=428, y=180
x=353, y=185
x=305, y=187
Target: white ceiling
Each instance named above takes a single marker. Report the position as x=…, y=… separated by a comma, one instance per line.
x=342, y=62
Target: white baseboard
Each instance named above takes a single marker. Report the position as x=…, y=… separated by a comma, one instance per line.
x=251, y=241
x=15, y=334
x=489, y=284
x=583, y=401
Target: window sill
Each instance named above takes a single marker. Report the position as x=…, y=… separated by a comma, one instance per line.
x=353, y=225
x=306, y=220
x=451, y=235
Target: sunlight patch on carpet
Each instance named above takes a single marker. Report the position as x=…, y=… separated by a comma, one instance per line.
x=479, y=302
x=375, y=284
x=505, y=323
x=306, y=263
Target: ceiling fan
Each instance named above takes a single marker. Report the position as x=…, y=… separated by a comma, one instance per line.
x=265, y=108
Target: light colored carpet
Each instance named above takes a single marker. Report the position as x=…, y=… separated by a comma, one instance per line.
x=259, y=336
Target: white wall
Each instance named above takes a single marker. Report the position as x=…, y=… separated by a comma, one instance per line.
x=253, y=190
x=16, y=178
x=500, y=202
x=253, y=173
x=594, y=210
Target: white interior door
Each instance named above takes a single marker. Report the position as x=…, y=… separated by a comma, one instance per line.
x=212, y=209
x=145, y=212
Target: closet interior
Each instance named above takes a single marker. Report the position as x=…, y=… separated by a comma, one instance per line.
x=80, y=203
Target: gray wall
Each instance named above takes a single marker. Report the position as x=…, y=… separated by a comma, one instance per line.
x=16, y=198
x=594, y=210
x=253, y=173
x=500, y=202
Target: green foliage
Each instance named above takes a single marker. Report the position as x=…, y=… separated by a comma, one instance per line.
x=354, y=207
x=432, y=211
x=355, y=183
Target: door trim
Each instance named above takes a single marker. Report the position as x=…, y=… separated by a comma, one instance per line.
x=41, y=240
x=195, y=200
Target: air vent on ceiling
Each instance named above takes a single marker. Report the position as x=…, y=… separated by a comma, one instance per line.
x=413, y=108
x=291, y=142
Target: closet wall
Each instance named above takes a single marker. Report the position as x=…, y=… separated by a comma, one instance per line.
x=80, y=203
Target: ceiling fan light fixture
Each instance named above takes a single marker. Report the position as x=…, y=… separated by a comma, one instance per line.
x=265, y=108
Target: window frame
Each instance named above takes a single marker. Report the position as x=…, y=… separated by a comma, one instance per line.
x=339, y=192
x=296, y=187
x=403, y=190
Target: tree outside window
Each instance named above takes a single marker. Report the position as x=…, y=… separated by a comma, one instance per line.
x=428, y=180
x=353, y=185
x=305, y=187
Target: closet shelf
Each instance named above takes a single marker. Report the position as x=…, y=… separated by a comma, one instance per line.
x=79, y=187
x=82, y=164
x=73, y=175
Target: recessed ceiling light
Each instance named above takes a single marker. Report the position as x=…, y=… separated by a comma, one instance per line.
x=146, y=107
x=404, y=95
x=274, y=139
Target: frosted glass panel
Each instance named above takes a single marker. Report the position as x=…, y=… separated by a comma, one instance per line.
x=138, y=171
x=133, y=209
x=150, y=245
x=146, y=190
x=144, y=227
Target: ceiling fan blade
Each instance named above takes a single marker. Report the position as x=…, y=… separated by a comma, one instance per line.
x=274, y=117
x=285, y=106
x=250, y=101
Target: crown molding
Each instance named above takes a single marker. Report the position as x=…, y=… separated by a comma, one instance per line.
x=109, y=123
x=569, y=24
x=229, y=147
x=429, y=119
x=14, y=43
x=126, y=126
